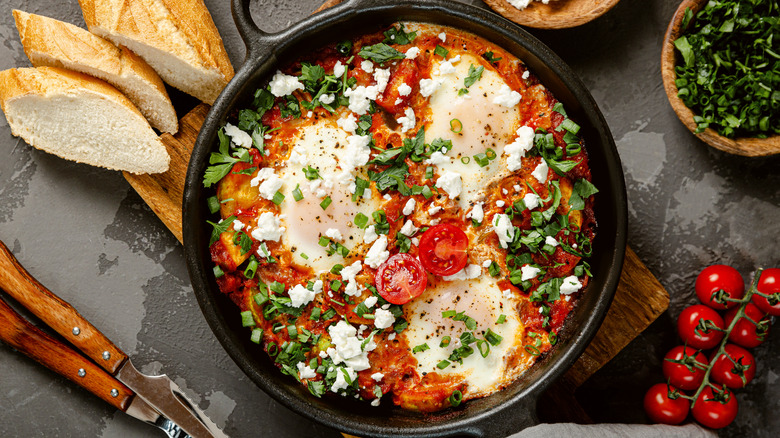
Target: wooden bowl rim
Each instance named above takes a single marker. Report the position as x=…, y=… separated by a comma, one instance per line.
x=745, y=146
x=558, y=14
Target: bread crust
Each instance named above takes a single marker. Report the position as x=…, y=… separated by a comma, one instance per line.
x=161, y=24
x=53, y=43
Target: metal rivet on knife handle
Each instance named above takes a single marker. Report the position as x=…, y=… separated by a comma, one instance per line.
x=82, y=372
x=106, y=355
x=114, y=393
x=76, y=331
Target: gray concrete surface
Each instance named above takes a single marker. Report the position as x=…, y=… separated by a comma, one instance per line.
x=85, y=234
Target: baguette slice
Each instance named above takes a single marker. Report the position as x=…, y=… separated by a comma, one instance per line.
x=52, y=43
x=177, y=38
x=79, y=118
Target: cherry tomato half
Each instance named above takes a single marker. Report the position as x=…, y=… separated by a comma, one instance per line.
x=684, y=375
x=745, y=333
x=716, y=278
x=698, y=327
x=443, y=249
x=730, y=371
x=662, y=409
x=769, y=283
x=715, y=412
x=400, y=279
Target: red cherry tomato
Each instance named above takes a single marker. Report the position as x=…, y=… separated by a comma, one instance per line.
x=716, y=278
x=443, y=249
x=715, y=412
x=698, y=327
x=729, y=373
x=745, y=333
x=769, y=283
x=684, y=375
x=662, y=409
x=400, y=279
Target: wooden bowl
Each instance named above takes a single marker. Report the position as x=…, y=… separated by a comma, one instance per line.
x=557, y=14
x=746, y=146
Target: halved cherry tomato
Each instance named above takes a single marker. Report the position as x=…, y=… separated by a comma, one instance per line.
x=715, y=411
x=662, y=409
x=400, y=279
x=685, y=375
x=700, y=327
x=769, y=284
x=715, y=278
x=745, y=333
x=443, y=249
x=730, y=371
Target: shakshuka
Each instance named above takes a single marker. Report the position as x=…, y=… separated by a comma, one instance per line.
x=405, y=216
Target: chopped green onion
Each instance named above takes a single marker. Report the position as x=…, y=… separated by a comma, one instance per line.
x=335, y=285
x=218, y=272
x=483, y=347
x=251, y=268
x=445, y=341
x=441, y=51
x=315, y=314
x=297, y=194
x=278, y=198
x=490, y=154
x=247, y=320
x=257, y=335
x=501, y=319
x=456, y=126
x=420, y=348
x=493, y=338
x=325, y=202
x=455, y=398
x=465, y=160
x=213, y=204
x=443, y=364
x=361, y=220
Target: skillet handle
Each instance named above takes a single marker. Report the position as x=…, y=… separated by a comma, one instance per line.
x=507, y=422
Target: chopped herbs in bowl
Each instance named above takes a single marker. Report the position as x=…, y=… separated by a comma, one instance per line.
x=728, y=71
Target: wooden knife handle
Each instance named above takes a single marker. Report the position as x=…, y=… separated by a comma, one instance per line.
x=57, y=314
x=20, y=334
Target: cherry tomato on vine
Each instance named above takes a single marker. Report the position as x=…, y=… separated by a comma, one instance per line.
x=400, y=279
x=685, y=375
x=745, y=333
x=730, y=371
x=443, y=249
x=700, y=327
x=715, y=278
x=769, y=283
x=715, y=411
x=662, y=409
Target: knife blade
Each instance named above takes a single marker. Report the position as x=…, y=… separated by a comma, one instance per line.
x=126, y=383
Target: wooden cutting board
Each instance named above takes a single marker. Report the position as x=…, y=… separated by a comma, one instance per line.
x=639, y=300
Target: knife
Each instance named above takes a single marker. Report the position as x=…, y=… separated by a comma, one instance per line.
x=109, y=374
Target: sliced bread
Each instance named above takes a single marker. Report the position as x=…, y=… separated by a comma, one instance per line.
x=177, y=38
x=80, y=118
x=52, y=43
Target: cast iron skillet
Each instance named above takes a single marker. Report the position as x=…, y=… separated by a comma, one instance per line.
x=499, y=414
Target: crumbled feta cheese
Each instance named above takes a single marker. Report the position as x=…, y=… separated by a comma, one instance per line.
x=404, y=90
x=305, y=371
x=409, y=207
x=408, y=229
x=386, y=306
x=327, y=99
x=451, y=183
x=338, y=69
x=516, y=187
x=505, y=191
x=412, y=53
x=377, y=377
x=383, y=319
x=270, y=186
x=520, y=4
x=504, y=229
x=348, y=275
x=391, y=336
x=347, y=346
x=387, y=197
x=407, y=121
x=540, y=173
x=506, y=293
x=500, y=203
x=476, y=213
x=341, y=381
x=429, y=86
x=357, y=151
x=447, y=67
x=317, y=286
x=467, y=273
x=298, y=156
x=438, y=158
x=526, y=74
x=507, y=97
x=528, y=272
x=487, y=263
x=570, y=285
x=300, y=296
x=334, y=234
x=378, y=252
x=282, y=84
x=238, y=225
x=443, y=37
x=323, y=354
x=360, y=98
x=516, y=150
x=309, y=114
x=370, y=301
x=370, y=235
x=348, y=123
x=382, y=77
x=531, y=200
x=237, y=136
x=435, y=209
x=268, y=228
x=367, y=66
x=398, y=101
